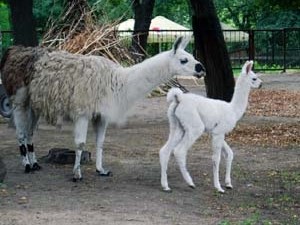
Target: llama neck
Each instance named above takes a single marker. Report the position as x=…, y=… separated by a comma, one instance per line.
x=145, y=76
x=240, y=97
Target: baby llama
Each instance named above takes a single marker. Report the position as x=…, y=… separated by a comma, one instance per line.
x=55, y=84
x=190, y=115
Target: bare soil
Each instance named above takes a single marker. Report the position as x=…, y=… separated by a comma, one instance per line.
x=266, y=170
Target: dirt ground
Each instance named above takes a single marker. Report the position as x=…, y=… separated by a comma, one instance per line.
x=265, y=173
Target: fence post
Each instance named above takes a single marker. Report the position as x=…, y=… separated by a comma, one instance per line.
x=251, y=45
x=284, y=50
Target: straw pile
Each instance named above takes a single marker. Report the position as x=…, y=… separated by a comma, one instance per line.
x=78, y=32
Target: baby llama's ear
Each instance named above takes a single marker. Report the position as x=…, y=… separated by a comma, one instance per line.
x=177, y=44
x=249, y=66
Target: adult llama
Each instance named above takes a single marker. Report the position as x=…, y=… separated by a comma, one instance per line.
x=55, y=84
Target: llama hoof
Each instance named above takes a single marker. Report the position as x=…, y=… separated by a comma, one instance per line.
x=36, y=166
x=192, y=186
x=27, y=168
x=167, y=190
x=221, y=191
x=76, y=179
x=229, y=187
x=105, y=173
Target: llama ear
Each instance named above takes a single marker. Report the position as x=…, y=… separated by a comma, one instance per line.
x=177, y=44
x=249, y=66
x=185, y=42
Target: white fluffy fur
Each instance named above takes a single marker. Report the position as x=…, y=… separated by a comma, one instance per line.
x=190, y=115
x=94, y=88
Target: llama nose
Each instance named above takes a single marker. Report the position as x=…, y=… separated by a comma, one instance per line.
x=199, y=68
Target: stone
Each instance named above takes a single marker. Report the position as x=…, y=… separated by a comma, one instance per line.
x=66, y=156
x=2, y=170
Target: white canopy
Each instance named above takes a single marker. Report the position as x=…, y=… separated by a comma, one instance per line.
x=161, y=30
x=164, y=30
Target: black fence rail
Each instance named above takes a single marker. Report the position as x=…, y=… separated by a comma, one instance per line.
x=276, y=49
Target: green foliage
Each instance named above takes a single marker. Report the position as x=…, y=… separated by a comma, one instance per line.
x=254, y=219
x=105, y=10
x=4, y=17
x=279, y=4
x=176, y=10
x=241, y=14
x=4, y=25
x=111, y=10
x=259, y=13
x=46, y=9
x=279, y=19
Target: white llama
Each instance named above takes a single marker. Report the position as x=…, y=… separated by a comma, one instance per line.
x=55, y=84
x=190, y=115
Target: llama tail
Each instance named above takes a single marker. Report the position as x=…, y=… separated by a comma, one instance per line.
x=174, y=95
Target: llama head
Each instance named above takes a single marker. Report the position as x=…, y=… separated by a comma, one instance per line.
x=182, y=62
x=252, y=77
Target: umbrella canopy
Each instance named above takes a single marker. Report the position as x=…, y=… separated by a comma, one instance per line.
x=163, y=30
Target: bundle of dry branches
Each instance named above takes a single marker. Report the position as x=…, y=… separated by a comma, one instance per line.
x=78, y=32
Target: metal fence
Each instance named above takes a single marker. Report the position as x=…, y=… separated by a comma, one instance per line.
x=277, y=49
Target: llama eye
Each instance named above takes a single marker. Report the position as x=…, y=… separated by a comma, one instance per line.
x=183, y=61
x=254, y=79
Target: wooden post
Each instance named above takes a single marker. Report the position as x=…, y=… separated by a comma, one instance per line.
x=251, y=45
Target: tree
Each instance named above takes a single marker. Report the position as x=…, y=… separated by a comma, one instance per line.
x=142, y=14
x=23, y=22
x=175, y=10
x=260, y=14
x=210, y=48
x=4, y=16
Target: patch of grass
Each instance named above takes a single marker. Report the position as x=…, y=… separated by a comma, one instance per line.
x=253, y=219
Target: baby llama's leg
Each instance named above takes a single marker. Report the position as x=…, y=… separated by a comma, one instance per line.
x=80, y=133
x=217, y=144
x=228, y=155
x=100, y=126
x=191, y=134
x=21, y=123
x=33, y=119
x=164, y=154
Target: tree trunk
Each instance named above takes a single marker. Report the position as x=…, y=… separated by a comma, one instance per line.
x=210, y=48
x=142, y=14
x=23, y=22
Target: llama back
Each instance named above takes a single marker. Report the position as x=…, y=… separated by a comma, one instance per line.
x=17, y=67
x=174, y=94
x=58, y=83
x=73, y=85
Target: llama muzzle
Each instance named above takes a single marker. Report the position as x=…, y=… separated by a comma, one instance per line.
x=200, y=70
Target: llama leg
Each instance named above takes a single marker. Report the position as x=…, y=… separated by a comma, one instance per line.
x=100, y=126
x=80, y=133
x=180, y=151
x=228, y=155
x=165, y=152
x=217, y=143
x=33, y=118
x=20, y=119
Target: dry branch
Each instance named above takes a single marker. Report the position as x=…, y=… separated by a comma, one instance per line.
x=80, y=34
